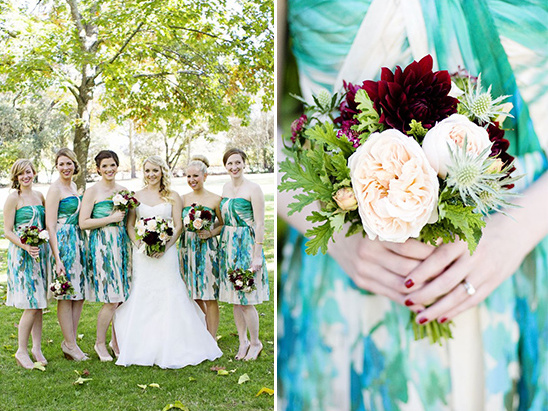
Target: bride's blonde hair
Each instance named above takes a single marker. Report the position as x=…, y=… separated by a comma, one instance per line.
x=165, y=181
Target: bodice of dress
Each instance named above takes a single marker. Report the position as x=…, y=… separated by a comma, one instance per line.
x=329, y=44
x=159, y=210
x=30, y=215
x=68, y=210
x=102, y=209
x=237, y=212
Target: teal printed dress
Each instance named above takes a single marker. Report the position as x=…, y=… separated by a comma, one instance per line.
x=27, y=278
x=236, y=250
x=109, y=259
x=200, y=263
x=342, y=348
x=72, y=247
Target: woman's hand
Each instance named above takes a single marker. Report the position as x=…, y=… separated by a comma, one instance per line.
x=59, y=268
x=380, y=267
x=256, y=264
x=158, y=255
x=440, y=277
x=33, y=251
x=117, y=216
x=204, y=234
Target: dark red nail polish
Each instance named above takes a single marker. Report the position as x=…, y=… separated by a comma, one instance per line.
x=423, y=320
x=419, y=311
x=409, y=302
x=442, y=320
x=409, y=283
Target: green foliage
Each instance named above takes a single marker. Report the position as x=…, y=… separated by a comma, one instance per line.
x=455, y=221
x=324, y=133
x=417, y=130
x=367, y=116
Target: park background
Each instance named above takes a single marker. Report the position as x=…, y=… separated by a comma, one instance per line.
x=173, y=78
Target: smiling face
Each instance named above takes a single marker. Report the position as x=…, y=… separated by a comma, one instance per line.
x=152, y=173
x=108, y=169
x=195, y=178
x=235, y=165
x=66, y=167
x=25, y=177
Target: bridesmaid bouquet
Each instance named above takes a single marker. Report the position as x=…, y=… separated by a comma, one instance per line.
x=61, y=287
x=243, y=280
x=198, y=218
x=34, y=236
x=155, y=232
x=124, y=200
x=418, y=154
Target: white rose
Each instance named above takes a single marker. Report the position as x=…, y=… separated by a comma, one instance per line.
x=44, y=235
x=164, y=238
x=239, y=283
x=140, y=224
x=186, y=220
x=197, y=223
x=447, y=135
x=198, y=213
x=119, y=199
x=151, y=225
x=396, y=188
x=141, y=231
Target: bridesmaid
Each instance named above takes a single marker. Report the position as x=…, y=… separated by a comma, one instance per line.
x=108, y=247
x=27, y=278
x=198, y=250
x=68, y=248
x=242, y=210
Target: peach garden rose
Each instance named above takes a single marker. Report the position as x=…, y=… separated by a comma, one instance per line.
x=450, y=133
x=396, y=188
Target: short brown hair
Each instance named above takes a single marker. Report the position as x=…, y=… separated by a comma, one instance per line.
x=67, y=152
x=104, y=154
x=232, y=151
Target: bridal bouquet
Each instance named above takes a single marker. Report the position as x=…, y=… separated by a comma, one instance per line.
x=243, y=280
x=198, y=218
x=61, y=287
x=413, y=155
x=34, y=236
x=155, y=232
x=124, y=200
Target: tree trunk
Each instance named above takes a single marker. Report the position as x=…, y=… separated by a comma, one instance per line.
x=81, y=139
x=131, y=151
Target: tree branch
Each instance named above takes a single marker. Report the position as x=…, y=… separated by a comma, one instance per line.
x=166, y=73
x=200, y=32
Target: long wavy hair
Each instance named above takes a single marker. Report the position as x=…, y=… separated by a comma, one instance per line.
x=18, y=168
x=165, y=181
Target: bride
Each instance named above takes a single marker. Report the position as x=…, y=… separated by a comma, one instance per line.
x=159, y=324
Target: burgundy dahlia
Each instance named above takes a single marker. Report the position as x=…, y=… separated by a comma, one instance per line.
x=348, y=109
x=414, y=93
x=500, y=147
x=297, y=127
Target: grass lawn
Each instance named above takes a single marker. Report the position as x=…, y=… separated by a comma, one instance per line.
x=111, y=387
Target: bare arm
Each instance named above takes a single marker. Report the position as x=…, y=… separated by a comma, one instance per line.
x=176, y=212
x=10, y=207
x=52, y=208
x=257, y=203
x=88, y=223
x=130, y=225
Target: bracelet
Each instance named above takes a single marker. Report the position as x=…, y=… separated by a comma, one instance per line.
x=259, y=243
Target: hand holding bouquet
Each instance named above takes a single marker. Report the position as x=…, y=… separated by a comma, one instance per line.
x=198, y=218
x=155, y=233
x=124, y=200
x=34, y=236
x=243, y=280
x=61, y=287
x=402, y=158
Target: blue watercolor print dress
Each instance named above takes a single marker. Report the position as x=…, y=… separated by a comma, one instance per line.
x=27, y=278
x=200, y=262
x=71, y=241
x=109, y=259
x=342, y=348
x=236, y=251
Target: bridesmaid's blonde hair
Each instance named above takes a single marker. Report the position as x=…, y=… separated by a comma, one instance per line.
x=18, y=168
x=200, y=162
x=165, y=181
x=67, y=152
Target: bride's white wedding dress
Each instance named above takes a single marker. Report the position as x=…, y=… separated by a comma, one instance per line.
x=159, y=324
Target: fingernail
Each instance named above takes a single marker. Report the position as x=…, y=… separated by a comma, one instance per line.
x=419, y=311
x=423, y=320
x=409, y=283
x=442, y=320
x=409, y=302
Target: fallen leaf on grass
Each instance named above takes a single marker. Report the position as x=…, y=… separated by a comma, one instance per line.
x=218, y=337
x=8, y=347
x=217, y=368
x=80, y=336
x=190, y=379
x=243, y=378
x=265, y=390
x=145, y=386
x=39, y=366
x=176, y=404
x=154, y=385
x=81, y=381
x=222, y=372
